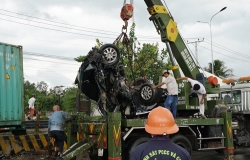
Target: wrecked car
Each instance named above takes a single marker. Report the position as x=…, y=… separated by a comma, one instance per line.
x=102, y=79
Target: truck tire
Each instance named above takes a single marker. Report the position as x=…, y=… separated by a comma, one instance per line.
x=110, y=54
x=220, y=151
x=19, y=132
x=183, y=142
x=134, y=142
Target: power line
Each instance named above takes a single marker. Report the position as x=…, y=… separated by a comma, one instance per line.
x=51, y=21
x=49, y=61
x=63, y=30
x=41, y=40
x=48, y=69
x=56, y=29
x=229, y=50
x=57, y=25
x=147, y=37
x=48, y=56
x=226, y=55
x=109, y=37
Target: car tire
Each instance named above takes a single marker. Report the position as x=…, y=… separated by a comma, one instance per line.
x=139, y=81
x=183, y=142
x=149, y=96
x=110, y=54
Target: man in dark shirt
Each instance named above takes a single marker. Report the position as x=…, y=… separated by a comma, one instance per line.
x=160, y=124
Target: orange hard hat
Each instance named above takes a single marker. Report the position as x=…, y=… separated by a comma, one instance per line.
x=161, y=122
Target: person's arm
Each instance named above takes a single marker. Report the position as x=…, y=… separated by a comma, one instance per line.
x=182, y=78
x=202, y=98
x=158, y=85
x=66, y=116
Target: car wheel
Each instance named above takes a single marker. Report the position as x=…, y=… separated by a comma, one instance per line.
x=110, y=54
x=139, y=81
x=149, y=96
x=146, y=93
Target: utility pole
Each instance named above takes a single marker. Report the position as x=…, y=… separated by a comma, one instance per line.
x=196, y=49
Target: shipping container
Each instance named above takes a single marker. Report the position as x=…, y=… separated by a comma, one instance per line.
x=11, y=86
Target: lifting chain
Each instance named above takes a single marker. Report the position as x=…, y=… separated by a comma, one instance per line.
x=124, y=39
x=126, y=14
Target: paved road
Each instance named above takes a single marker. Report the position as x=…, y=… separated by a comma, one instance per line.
x=239, y=154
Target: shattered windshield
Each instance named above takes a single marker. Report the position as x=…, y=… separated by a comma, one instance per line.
x=231, y=97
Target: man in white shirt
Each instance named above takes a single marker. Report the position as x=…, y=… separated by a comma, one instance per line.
x=172, y=87
x=31, y=103
x=200, y=90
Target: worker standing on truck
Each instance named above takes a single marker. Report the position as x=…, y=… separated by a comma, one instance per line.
x=160, y=124
x=172, y=87
x=56, y=129
x=200, y=90
x=31, y=103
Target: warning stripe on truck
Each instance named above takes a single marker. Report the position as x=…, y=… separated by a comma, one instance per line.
x=10, y=144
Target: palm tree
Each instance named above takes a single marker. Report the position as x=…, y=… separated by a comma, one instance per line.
x=220, y=69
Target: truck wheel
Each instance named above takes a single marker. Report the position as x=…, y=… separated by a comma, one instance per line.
x=134, y=142
x=183, y=142
x=220, y=151
x=19, y=132
x=110, y=53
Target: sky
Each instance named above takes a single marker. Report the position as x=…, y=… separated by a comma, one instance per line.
x=54, y=32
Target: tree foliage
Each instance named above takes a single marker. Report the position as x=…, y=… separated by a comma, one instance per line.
x=47, y=98
x=220, y=69
x=69, y=99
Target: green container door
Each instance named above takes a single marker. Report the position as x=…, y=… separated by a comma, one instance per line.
x=11, y=85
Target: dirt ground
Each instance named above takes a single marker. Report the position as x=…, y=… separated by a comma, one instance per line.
x=41, y=155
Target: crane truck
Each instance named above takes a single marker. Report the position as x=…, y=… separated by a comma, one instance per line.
x=115, y=135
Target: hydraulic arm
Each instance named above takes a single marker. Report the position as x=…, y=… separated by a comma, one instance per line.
x=165, y=25
x=177, y=49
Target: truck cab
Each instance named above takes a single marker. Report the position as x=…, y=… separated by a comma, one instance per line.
x=237, y=97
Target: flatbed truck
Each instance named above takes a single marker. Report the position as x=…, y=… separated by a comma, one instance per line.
x=114, y=137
